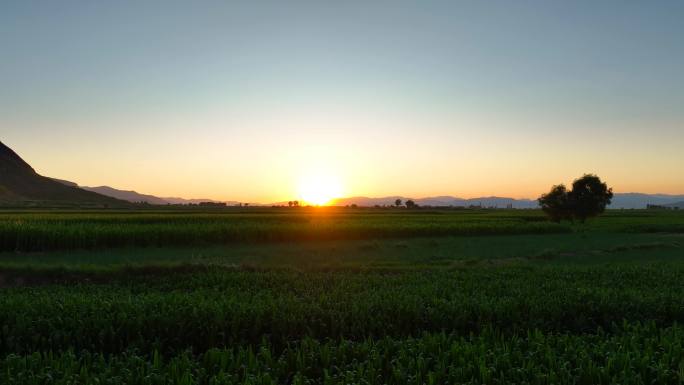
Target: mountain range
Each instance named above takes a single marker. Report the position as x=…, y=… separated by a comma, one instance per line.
x=133, y=196
x=441, y=201
x=19, y=182
x=620, y=201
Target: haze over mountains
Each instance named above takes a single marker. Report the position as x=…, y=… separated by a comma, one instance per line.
x=19, y=182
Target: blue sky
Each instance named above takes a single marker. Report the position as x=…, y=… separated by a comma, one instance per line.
x=234, y=100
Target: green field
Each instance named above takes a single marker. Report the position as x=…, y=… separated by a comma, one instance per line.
x=340, y=296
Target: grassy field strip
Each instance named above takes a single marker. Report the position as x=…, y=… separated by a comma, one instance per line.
x=639, y=354
x=50, y=231
x=340, y=297
x=204, y=310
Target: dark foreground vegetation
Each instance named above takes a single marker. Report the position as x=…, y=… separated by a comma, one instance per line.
x=363, y=300
x=637, y=354
x=45, y=231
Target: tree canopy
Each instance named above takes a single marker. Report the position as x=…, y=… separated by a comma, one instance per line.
x=588, y=198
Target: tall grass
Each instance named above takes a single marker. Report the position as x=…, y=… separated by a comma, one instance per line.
x=535, y=323
x=42, y=232
x=638, y=354
x=204, y=310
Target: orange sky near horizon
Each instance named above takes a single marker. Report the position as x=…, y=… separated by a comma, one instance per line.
x=274, y=175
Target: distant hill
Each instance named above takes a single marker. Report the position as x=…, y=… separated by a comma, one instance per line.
x=136, y=197
x=677, y=205
x=639, y=201
x=20, y=184
x=441, y=201
x=620, y=201
x=130, y=196
x=183, y=201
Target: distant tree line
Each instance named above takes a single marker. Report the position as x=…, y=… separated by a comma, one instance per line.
x=410, y=204
x=213, y=204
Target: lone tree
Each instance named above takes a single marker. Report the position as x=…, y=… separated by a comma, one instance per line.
x=588, y=198
x=555, y=203
x=410, y=204
x=397, y=202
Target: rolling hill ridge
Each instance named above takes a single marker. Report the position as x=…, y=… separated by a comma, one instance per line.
x=20, y=183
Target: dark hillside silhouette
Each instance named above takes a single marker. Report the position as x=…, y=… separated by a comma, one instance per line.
x=19, y=182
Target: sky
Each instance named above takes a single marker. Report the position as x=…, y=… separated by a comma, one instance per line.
x=242, y=101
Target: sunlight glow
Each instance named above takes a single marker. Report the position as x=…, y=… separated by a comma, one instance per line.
x=319, y=189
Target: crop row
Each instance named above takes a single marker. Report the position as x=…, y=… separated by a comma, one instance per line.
x=200, y=311
x=41, y=232
x=639, y=354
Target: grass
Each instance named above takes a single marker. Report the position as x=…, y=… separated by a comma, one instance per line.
x=341, y=296
x=637, y=354
x=70, y=231
x=174, y=310
x=48, y=231
x=368, y=254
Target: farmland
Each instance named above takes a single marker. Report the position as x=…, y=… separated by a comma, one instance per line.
x=338, y=296
x=68, y=230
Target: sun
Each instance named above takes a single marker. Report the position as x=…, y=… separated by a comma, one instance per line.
x=319, y=189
